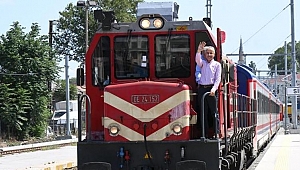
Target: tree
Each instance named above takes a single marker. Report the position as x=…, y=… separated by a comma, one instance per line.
x=253, y=66
x=70, y=40
x=279, y=60
x=73, y=80
x=27, y=62
x=59, y=93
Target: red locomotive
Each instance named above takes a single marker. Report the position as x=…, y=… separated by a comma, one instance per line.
x=140, y=82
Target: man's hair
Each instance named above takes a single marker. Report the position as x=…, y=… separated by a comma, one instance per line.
x=209, y=48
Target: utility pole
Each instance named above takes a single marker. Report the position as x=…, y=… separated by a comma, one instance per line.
x=276, y=80
x=68, y=132
x=285, y=96
x=294, y=68
x=87, y=4
x=86, y=26
x=49, y=83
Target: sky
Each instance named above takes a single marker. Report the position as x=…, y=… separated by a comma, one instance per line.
x=263, y=25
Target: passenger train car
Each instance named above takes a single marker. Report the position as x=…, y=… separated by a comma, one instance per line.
x=268, y=113
x=142, y=104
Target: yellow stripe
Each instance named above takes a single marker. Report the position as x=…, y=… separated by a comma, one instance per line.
x=150, y=114
x=70, y=164
x=282, y=161
x=60, y=166
x=132, y=135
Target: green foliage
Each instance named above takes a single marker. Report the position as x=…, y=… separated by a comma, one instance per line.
x=70, y=37
x=253, y=66
x=279, y=60
x=125, y=10
x=26, y=64
x=73, y=80
x=59, y=93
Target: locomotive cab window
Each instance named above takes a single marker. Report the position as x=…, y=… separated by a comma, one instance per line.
x=131, y=57
x=172, y=56
x=100, y=62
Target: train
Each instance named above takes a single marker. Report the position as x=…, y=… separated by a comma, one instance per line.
x=141, y=98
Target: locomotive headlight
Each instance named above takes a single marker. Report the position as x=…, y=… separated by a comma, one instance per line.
x=151, y=22
x=158, y=23
x=145, y=23
x=177, y=129
x=114, y=129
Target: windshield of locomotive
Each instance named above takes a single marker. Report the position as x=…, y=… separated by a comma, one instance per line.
x=172, y=56
x=131, y=57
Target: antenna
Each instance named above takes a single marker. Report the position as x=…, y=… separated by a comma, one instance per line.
x=207, y=20
x=208, y=8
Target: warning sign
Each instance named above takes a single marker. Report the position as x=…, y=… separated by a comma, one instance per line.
x=147, y=156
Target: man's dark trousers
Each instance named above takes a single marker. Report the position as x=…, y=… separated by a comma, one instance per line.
x=210, y=109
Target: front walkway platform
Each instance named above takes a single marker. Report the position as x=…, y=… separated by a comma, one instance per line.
x=283, y=153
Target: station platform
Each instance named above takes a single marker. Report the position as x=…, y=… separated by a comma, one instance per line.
x=56, y=158
x=283, y=153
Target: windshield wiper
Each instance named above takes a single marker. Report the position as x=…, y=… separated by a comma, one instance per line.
x=166, y=51
x=126, y=52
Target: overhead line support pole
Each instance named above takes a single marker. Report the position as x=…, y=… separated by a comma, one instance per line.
x=294, y=68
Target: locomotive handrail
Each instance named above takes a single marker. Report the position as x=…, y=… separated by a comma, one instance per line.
x=241, y=108
x=234, y=113
x=80, y=98
x=202, y=116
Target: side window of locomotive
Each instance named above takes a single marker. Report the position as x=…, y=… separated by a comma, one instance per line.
x=172, y=56
x=203, y=36
x=100, y=62
x=131, y=58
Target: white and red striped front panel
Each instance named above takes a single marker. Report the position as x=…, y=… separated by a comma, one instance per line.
x=155, y=105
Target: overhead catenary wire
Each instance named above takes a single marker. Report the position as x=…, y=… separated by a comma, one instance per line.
x=272, y=51
x=262, y=27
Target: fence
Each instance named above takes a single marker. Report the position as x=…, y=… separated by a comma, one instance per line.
x=59, y=126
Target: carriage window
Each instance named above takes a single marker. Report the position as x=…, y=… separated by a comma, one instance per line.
x=172, y=56
x=131, y=58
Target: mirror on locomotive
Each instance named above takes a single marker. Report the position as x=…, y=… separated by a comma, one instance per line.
x=80, y=77
x=225, y=71
x=231, y=73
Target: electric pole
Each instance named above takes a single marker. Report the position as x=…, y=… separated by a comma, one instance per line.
x=294, y=68
x=49, y=83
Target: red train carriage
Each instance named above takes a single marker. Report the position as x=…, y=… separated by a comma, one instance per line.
x=142, y=96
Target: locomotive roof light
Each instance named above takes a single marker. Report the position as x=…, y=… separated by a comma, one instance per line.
x=151, y=21
x=158, y=23
x=114, y=129
x=177, y=129
x=145, y=23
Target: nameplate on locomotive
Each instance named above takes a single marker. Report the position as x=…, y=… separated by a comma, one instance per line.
x=144, y=99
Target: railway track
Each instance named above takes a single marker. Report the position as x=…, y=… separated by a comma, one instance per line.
x=37, y=146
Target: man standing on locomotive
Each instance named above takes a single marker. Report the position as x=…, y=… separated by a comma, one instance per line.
x=209, y=82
